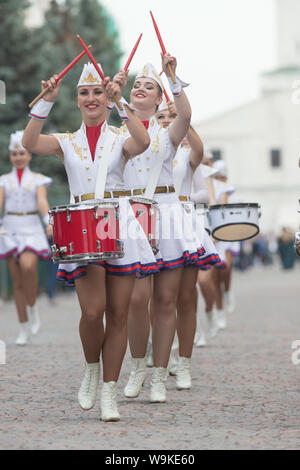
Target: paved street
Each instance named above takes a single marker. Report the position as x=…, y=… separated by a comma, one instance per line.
x=245, y=395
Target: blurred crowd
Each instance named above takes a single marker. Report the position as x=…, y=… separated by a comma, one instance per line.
x=267, y=249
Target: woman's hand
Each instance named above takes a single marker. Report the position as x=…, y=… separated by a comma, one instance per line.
x=168, y=59
x=111, y=89
x=53, y=88
x=49, y=231
x=121, y=78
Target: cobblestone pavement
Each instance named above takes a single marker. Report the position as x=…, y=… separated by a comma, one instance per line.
x=245, y=395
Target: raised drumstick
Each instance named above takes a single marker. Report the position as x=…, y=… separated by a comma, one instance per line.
x=71, y=64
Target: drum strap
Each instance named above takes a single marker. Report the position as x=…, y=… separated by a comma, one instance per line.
x=154, y=176
x=103, y=166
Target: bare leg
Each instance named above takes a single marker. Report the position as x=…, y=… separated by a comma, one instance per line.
x=165, y=292
x=19, y=297
x=217, y=275
x=186, y=312
x=92, y=298
x=228, y=271
x=207, y=286
x=138, y=318
x=28, y=266
x=119, y=290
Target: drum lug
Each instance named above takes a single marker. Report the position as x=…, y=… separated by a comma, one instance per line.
x=150, y=237
x=96, y=214
x=51, y=222
x=151, y=212
x=98, y=242
x=120, y=245
x=71, y=247
x=105, y=218
x=69, y=216
x=223, y=213
x=54, y=250
x=140, y=212
x=63, y=249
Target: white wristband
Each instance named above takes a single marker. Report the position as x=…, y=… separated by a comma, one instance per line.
x=46, y=219
x=41, y=109
x=122, y=113
x=177, y=86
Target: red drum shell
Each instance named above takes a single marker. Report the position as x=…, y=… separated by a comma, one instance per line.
x=86, y=232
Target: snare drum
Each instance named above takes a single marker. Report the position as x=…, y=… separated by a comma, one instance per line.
x=234, y=222
x=147, y=213
x=86, y=232
x=202, y=214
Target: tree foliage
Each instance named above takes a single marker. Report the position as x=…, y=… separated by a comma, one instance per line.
x=28, y=56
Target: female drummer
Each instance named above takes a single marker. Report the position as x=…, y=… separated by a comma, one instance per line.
x=187, y=160
x=98, y=289
x=175, y=250
x=22, y=236
x=224, y=301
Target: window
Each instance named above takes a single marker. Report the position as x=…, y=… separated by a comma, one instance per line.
x=217, y=154
x=275, y=158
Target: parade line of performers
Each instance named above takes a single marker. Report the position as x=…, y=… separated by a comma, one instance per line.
x=146, y=294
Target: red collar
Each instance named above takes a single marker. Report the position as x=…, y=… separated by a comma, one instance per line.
x=20, y=174
x=93, y=134
x=146, y=123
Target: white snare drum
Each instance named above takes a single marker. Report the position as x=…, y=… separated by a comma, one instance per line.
x=234, y=222
x=202, y=215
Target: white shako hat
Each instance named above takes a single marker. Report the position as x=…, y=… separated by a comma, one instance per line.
x=89, y=75
x=148, y=71
x=15, y=142
x=221, y=166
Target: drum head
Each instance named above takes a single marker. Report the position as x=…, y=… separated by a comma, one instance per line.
x=235, y=232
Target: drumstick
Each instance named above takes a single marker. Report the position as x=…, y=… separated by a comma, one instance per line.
x=133, y=52
x=71, y=64
x=165, y=92
x=163, y=49
x=97, y=68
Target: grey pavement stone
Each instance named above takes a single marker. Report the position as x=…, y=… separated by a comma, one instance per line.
x=245, y=394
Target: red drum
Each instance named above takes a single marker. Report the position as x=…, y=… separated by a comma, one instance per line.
x=86, y=232
x=146, y=212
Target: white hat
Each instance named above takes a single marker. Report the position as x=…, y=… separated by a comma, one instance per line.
x=221, y=166
x=149, y=71
x=89, y=75
x=16, y=141
x=163, y=105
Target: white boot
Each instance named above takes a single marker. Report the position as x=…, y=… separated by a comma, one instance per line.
x=108, y=403
x=88, y=389
x=221, y=318
x=34, y=318
x=24, y=335
x=229, y=301
x=172, y=365
x=149, y=355
x=137, y=377
x=158, y=389
x=183, y=376
x=212, y=323
x=200, y=340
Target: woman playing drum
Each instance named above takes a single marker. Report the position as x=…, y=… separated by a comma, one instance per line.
x=98, y=289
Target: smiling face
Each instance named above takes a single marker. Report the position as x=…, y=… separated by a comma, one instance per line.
x=20, y=158
x=146, y=94
x=165, y=118
x=92, y=102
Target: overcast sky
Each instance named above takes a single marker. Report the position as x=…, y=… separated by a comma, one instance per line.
x=221, y=45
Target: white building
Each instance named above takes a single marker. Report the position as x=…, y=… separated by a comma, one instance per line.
x=260, y=140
